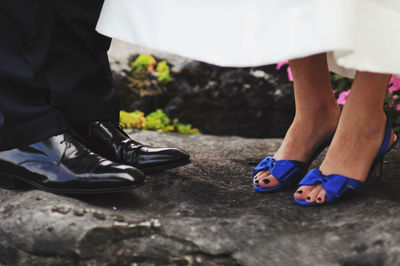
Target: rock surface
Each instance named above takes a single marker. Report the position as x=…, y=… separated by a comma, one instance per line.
x=205, y=213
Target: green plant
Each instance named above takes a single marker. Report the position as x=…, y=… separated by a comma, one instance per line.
x=144, y=61
x=163, y=72
x=132, y=120
x=147, y=77
x=156, y=121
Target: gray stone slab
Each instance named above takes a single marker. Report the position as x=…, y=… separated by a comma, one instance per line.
x=205, y=213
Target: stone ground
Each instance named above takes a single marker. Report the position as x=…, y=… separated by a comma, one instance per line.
x=205, y=213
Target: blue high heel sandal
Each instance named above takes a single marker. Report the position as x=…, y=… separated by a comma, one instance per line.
x=337, y=186
x=288, y=172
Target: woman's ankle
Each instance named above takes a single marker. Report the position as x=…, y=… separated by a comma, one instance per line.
x=307, y=133
x=355, y=147
x=317, y=106
x=320, y=116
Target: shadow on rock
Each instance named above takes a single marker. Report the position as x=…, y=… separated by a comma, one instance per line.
x=126, y=200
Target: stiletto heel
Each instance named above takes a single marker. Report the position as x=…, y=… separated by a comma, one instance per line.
x=288, y=172
x=380, y=176
x=336, y=186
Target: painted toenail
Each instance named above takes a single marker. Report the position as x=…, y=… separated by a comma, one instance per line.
x=299, y=191
x=266, y=181
x=319, y=199
x=256, y=181
x=308, y=198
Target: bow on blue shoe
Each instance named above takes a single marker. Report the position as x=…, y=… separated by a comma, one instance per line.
x=288, y=172
x=334, y=185
x=337, y=185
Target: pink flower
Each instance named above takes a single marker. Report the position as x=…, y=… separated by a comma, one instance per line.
x=289, y=72
x=395, y=81
x=343, y=97
x=398, y=107
x=391, y=101
x=281, y=64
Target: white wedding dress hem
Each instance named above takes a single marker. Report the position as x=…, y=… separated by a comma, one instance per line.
x=357, y=34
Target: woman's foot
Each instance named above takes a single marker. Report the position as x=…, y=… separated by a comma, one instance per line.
x=358, y=137
x=357, y=141
x=306, y=134
x=317, y=114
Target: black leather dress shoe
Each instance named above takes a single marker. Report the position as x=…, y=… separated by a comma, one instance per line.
x=61, y=164
x=109, y=140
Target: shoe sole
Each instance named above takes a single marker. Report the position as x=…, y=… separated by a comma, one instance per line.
x=270, y=190
x=9, y=181
x=163, y=167
x=306, y=203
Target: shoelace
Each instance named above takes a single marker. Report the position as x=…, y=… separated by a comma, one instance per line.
x=67, y=140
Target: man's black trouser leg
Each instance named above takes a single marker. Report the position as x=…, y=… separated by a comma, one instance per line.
x=78, y=70
x=25, y=113
x=53, y=68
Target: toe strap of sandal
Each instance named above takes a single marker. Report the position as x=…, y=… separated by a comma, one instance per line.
x=334, y=185
x=281, y=169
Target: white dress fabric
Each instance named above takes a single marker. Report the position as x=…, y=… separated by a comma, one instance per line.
x=357, y=34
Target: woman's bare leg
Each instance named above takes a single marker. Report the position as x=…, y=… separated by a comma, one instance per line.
x=317, y=114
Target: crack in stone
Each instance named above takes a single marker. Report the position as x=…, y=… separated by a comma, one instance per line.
x=98, y=239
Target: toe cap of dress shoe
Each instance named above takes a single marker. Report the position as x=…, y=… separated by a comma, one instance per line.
x=177, y=154
x=160, y=156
